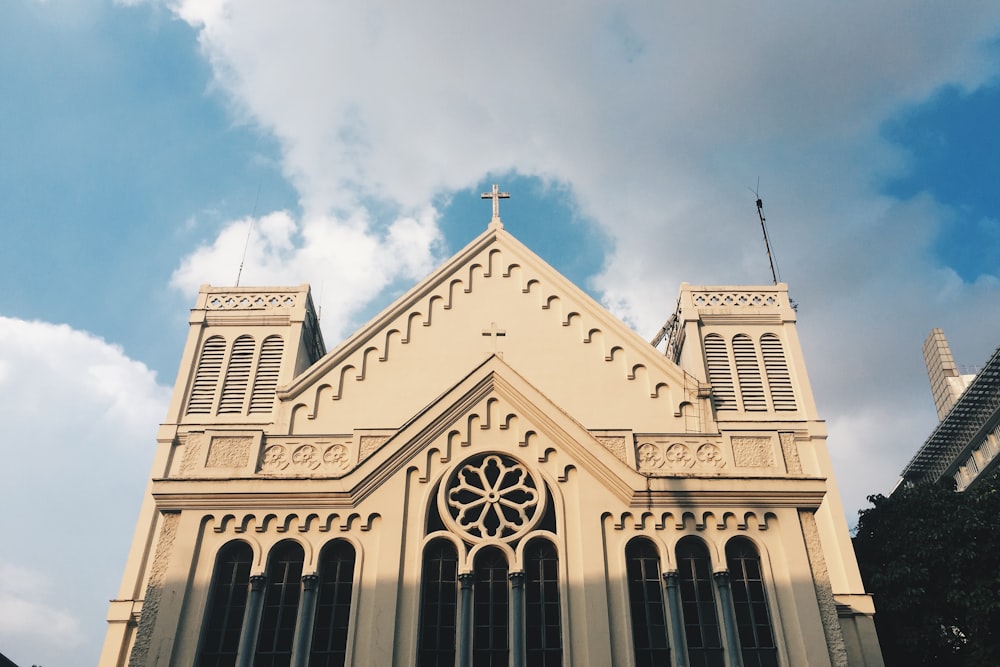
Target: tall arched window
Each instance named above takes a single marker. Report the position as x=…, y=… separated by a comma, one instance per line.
x=265, y=381
x=753, y=620
x=491, y=606
x=543, y=618
x=701, y=618
x=234, y=387
x=720, y=374
x=281, y=605
x=226, y=606
x=748, y=373
x=333, y=605
x=438, y=605
x=645, y=591
x=206, y=377
x=778, y=378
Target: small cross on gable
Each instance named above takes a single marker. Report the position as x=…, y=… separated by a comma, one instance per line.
x=496, y=334
x=496, y=196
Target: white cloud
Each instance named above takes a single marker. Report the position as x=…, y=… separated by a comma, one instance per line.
x=80, y=427
x=348, y=262
x=28, y=613
x=658, y=117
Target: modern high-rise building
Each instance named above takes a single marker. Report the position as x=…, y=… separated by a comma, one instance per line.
x=495, y=470
x=966, y=443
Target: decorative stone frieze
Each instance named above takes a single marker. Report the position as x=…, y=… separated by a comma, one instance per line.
x=318, y=457
x=228, y=452
x=752, y=452
x=665, y=456
x=614, y=444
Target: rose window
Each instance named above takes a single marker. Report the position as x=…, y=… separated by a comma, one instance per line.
x=492, y=497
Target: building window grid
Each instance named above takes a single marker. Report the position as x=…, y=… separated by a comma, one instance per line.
x=750, y=601
x=333, y=605
x=227, y=605
x=439, y=605
x=649, y=621
x=543, y=615
x=490, y=639
x=701, y=620
x=281, y=606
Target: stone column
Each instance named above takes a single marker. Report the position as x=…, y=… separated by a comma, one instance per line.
x=465, y=620
x=251, y=621
x=517, y=630
x=676, y=618
x=729, y=618
x=304, y=625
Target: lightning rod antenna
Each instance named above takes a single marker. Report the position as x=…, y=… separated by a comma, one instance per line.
x=763, y=228
x=253, y=216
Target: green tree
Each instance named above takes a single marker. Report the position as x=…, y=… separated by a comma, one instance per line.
x=931, y=558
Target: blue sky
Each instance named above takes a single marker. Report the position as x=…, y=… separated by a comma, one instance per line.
x=138, y=139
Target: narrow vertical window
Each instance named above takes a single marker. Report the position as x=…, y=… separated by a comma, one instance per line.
x=701, y=618
x=438, y=605
x=543, y=617
x=649, y=619
x=281, y=605
x=234, y=388
x=333, y=605
x=748, y=373
x=265, y=381
x=227, y=604
x=753, y=619
x=206, y=377
x=720, y=375
x=776, y=368
x=490, y=610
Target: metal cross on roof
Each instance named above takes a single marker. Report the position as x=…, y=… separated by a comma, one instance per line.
x=496, y=196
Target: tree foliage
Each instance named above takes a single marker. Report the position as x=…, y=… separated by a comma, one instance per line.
x=931, y=558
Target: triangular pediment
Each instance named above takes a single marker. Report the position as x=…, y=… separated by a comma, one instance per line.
x=494, y=297
x=492, y=409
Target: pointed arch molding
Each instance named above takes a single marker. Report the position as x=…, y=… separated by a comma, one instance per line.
x=493, y=256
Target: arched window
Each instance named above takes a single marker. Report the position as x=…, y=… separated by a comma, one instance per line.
x=748, y=373
x=281, y=605
x=438, y=605
x=543, y=618
x=701, y=618
x=491, y=606
x=333, y=605
x=226, y=606
x=776, y=367
x=234, y=388
x=645, y=591
x=753, y=620
x=266, y=378
x=206, y=377
x=720, y=374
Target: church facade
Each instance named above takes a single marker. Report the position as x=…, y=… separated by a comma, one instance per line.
x=493, y=471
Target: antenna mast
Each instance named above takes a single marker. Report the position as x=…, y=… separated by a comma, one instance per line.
x=239, y=274
x=763, y=228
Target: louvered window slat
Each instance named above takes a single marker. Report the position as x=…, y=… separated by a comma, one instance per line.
x=266, y=380
x=234, y=388
x=719, y=374
x=748, y=373
x=206, y=377
x=778, y=378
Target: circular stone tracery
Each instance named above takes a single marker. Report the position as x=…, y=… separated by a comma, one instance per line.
x=491, y=496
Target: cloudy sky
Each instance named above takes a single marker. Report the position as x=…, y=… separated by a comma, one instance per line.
x=138, y=140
